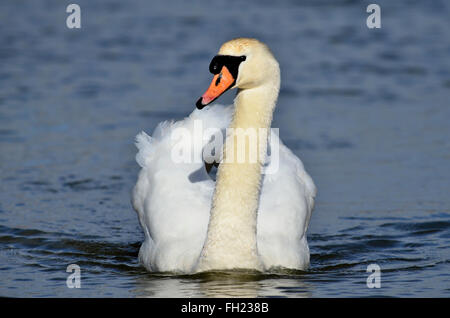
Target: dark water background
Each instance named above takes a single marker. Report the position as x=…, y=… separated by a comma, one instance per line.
x=366, y=110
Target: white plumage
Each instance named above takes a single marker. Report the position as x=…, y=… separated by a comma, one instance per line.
x=173, y=201
x=246, y=219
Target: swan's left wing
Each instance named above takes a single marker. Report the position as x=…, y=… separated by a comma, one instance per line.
x=286, y=204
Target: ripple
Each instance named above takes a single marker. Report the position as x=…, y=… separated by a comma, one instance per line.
x=90, y=184
x=331, y=91
x=420, y=228
x=382, y=243
x=44, y=248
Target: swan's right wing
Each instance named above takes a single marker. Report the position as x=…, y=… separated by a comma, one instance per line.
x=172, y=198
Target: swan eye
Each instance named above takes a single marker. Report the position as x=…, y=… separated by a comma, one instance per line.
x=215, y=66
x=231, y=62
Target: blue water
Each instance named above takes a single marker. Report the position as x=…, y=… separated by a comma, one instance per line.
x=367, y=111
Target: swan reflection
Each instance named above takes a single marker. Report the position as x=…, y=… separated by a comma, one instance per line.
x=232, y=284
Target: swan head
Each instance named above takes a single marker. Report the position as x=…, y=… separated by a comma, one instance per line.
x=242, y=63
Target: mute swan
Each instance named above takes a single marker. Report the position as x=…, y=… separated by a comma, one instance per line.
x=245, y=219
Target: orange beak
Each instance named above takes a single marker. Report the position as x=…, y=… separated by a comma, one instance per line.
x=220, y=84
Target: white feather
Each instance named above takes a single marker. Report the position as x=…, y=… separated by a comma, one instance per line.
x=173, y=201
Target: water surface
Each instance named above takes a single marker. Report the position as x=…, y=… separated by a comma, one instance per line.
x=367, y=111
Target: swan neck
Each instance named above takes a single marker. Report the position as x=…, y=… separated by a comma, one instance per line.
x=231, y=237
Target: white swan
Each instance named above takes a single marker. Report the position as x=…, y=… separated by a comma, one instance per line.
x=245, y=219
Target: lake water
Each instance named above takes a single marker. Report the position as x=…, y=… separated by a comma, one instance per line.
x=367, y=111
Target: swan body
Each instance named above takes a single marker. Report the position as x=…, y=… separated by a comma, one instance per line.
x=245, y=219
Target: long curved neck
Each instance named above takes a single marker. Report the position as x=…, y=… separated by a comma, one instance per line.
x=231, y=237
